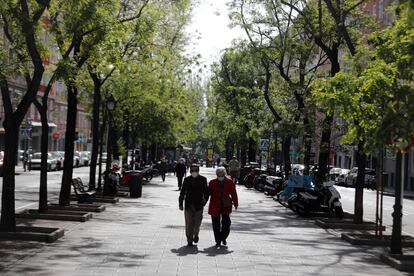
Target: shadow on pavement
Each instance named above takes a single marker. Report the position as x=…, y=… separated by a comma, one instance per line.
x=213, y=251
x=209, y=251
x=185, y=250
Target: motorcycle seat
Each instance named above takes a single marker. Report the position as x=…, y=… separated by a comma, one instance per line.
x=307, y=195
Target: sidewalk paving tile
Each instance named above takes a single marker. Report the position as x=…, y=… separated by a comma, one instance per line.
x=146, y=236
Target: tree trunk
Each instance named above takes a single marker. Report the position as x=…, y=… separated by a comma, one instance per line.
x=286, y=155
x=64, y=196
x=101, y=142
x=95, y=133
x=243, y=151
x=307, y=140
x=114, y=138
x=144, y=150
x=44, y=150
x=229, y=148
x=359, y=185
x=324, y=146
x=8, y=219
x=327, y=124
x=252, y=150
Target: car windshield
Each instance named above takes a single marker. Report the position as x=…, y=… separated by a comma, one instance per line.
x=335, y=170
x=37, y=155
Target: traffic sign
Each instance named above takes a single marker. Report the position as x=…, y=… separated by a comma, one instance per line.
x=264, y=144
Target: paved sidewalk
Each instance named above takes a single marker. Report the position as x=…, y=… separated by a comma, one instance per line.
x=146, y=237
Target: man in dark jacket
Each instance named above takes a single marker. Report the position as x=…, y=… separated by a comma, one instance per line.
x=195, y=194
x=180, y=170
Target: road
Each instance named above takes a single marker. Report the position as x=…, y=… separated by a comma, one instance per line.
x=27, y=185
x=347, y=199
x=27, y=189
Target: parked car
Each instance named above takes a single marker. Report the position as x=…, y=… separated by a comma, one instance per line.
x=334, y=173
x=350, y=179
x=340, y=179
x=59, y=159
x=370, y=179
x=36, y=159
x=1, y=162
x=76, y=159
x=85, y=158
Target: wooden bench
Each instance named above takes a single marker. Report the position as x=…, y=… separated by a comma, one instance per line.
x=81, y=192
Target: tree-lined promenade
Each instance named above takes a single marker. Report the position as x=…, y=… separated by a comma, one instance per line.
x=132, y=50
x=306, y=72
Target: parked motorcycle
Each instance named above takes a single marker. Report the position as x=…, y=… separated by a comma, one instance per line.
x=324, y=199
x=291, y=189
x=248, y=180
x=273, y=185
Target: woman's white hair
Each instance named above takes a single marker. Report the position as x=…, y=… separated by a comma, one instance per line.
x=220, y=169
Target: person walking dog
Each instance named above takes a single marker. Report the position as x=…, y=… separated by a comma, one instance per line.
x=194, y=193
x=223, y=196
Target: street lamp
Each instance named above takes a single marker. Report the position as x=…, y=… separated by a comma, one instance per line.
x=275, y=127
x=110, y=105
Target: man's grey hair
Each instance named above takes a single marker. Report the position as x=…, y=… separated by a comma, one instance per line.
x=221, y=169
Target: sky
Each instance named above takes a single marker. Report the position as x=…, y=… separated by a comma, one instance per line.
x=210, y=23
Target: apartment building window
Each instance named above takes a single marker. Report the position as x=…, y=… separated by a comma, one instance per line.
x=392, y=180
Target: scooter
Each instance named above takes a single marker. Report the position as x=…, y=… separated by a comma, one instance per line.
x=324, y=199
x=273, y=185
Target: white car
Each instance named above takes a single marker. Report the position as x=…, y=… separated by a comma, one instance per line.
x=36, y=160
x=340, y=179
x=85, y=158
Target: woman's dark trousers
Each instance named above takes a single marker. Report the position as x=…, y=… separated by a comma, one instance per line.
x=221, y=227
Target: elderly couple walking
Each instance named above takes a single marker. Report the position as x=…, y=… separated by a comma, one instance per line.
x=195, y=194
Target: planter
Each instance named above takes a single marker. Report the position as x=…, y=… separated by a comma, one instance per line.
x=346, y=224
x=100, y=199
x=79, y=207
x=55, y=215
x=371, y=239
x=400, y=262
x=41, y=234
x=329, y=215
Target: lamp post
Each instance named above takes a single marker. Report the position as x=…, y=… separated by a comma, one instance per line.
x=110, y=105
x=275, y=127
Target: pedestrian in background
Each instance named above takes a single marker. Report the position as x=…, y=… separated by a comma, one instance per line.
x=163, y=168
x=180, y=171
x=25, y=159
x=234, y=169
x=223, y=196
x=194, y=193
